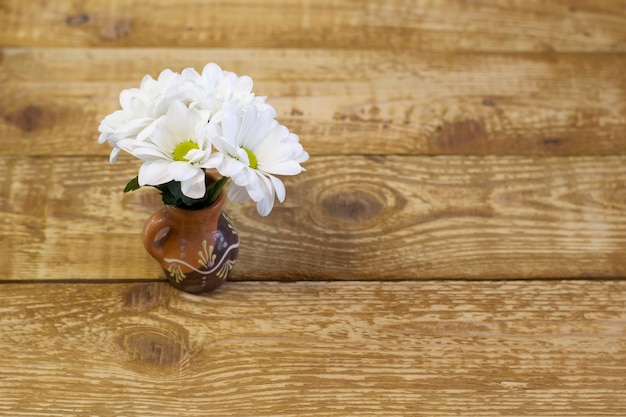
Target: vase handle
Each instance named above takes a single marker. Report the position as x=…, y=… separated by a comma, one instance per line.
x=155, y=230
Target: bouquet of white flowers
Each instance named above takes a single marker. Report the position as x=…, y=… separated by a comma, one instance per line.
x=182, y=124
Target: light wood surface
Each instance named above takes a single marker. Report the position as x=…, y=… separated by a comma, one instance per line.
x=347, y=217
x=315, y=349
x=445, y=25
x=341, y=102
x=457, y=245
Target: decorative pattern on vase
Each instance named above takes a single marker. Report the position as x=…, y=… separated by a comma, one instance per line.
x=197, y=249
x=214, y=261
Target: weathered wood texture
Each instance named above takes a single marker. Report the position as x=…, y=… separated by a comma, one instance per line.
x=533, y=25
x=340, y=102
x=462, y=151
x=315, y=349
x=393, y=217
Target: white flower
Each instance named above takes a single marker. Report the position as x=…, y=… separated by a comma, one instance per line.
x=173, y=122
x=141, y=107
x=215, y=87
x=178, y=149
x=252, y=149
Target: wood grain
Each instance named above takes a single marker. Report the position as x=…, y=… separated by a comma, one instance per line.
x=315, y=349
x=347, y=217
x=340, y=102
x=457, y=240
x=495, y=26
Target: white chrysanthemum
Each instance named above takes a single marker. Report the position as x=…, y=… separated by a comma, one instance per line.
x=215, y=86
x=141, y=107
x=178, y=149
x=252, y=149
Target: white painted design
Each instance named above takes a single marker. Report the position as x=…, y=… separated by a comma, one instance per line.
x=206, y=258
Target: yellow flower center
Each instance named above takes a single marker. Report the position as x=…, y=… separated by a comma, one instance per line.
x=181, y=150
x=251, y=158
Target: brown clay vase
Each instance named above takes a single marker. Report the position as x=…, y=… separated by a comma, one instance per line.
x=197, y=249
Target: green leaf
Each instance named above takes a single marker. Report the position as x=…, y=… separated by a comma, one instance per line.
x=170, y=193
x=132, y=185
x=170, y=200
x=213, y=190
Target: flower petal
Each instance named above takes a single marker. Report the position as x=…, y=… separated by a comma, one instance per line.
x=147, y=131
x=256, y=126
x=279, y=187
x=230, y=124
x=244, y=86
x=195, y=186
x=265, y=205
x=237, y=194
x=224, y=146
x=114, y=153
x=154, y=173
x=182, y=171
x=230, y=167
x=149, y=153
x=212, y=161
x=195, y=156
x=283, y=168
x=173, y=128
x=256, y=187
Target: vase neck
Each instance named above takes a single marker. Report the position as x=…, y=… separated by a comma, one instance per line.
x=213, y=210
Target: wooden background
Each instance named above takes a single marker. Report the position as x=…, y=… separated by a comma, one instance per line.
x=457, y=245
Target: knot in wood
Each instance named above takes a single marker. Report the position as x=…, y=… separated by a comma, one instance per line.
x=27, y=119
x=77, y=19
x=156, y=347
x=356, y=206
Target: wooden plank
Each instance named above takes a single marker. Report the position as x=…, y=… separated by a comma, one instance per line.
x=536, y=25
x=347, y=217
x=366, y=102
x=315, y=349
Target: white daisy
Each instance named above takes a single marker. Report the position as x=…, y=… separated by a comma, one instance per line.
x=215, y=87
x=141, y=107
x=252, y=149
x=178, y=149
